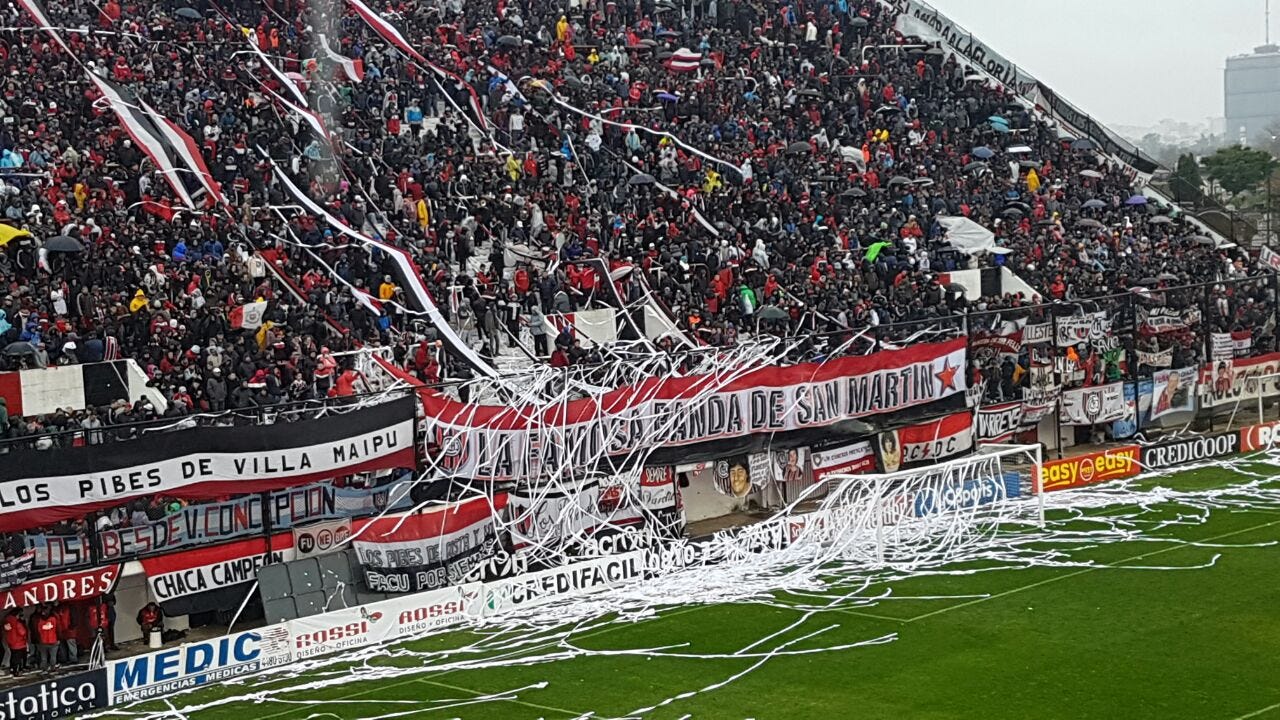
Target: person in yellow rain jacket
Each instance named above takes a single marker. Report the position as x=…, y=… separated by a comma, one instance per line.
x=81, y=194
x=1033, y=180
x=263, y=333
x=513, y=168
x=138, y=302
x=424, y=215
x=386, y=289
x=712, y=183
x=562, y=29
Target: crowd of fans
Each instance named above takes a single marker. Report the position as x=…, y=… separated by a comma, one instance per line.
x=798, y=191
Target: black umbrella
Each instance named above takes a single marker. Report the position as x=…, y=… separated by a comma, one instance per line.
x=1148, y=281
x=1168, y=277
x=1161, y=220
x=854, y=193
x=976, y=166
x=187, y=13
x=642, y=179
x=1203, y=240
x=20, y=348
x=858, y=22
x=1012, y=212
x=808, y=92
x=667, y=33
x=63, y=243
x=798, y=148
x=1031, y=164
x=1084, y=144
x=899, y=180
x=647, y=42
x=1088, y=223
x=508, y=41
x=664, y=55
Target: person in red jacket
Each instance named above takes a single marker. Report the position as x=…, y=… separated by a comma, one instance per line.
x=15, y=638
x=47, y=638
x=100, y=622
x=67, y=632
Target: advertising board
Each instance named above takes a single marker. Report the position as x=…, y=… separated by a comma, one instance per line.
x=1091, y=468
x=56, y=698
x=1180, y=452
x=195, y=664
x=582, y=577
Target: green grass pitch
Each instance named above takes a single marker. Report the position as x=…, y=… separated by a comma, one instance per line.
x=1122, y=641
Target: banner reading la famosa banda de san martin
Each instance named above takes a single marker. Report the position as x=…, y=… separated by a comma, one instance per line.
x=498, y=443
x=42, y=487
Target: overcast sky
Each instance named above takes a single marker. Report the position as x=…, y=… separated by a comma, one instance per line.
x=1128, y=62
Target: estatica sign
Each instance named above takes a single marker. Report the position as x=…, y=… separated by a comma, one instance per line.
x=55, y=699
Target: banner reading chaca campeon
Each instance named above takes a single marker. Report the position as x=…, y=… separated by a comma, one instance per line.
x=499, y=443
x=40, y=488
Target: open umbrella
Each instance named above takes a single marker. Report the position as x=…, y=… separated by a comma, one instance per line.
x=668, y=97
x=1168, y=277
x=1149, y=281
x=1091, y=174
x=667, y=33
x=888, y=109
x=922, y=182
x=771, y=313
x=8, y=233
x=1018, y=150
x=1089, y=223
x=63, y=243
x=1161, y=220
x=1030, y=164
x=858, y=22
x=875, y=249
x=620, y=272
x=809, y=92
x=1084, y=144
x=1136, y=200
x=997, y=120
x=1094, y=204
x=642, y=179
x=665, y=55
x=798, y=148
x=19, y=348
x=1012, y=212
x=1203, y=240
x=899, y=180
x=187, y=13
x=508, y=41
x=973, y=77
x=647, y=42
x=852, y=193
x=979, y=165
x=983, y=153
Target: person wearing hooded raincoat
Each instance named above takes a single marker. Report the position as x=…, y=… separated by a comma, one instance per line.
x=138, y=302
x=1033, y=180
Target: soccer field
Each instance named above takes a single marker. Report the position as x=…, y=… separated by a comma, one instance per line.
x=1156, y=599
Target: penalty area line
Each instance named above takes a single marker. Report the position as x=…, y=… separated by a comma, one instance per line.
x=1117, y=565
x=478, y=693
x=1256, y=713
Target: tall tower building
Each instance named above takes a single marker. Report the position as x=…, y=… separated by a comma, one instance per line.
x=1252, y=90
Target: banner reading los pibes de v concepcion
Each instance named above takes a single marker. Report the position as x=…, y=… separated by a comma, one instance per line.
x=498, y=442
x=40, y=488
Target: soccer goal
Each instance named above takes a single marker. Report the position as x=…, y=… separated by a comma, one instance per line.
x=922, y=514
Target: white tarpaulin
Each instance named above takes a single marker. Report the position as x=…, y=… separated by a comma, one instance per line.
x=967, y=236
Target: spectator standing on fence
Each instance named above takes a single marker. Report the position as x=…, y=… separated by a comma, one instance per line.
x=15, y=639
x=47, y=638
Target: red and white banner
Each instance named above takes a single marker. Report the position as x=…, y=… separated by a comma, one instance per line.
x=427, y=550
x=684, y=60
x=248, y=316
x=1227, y=382
x=67, y=587
x=938, y=439
x=354, y=69
x=491, y=442
x=190, y=572
x=852, y=459
x=998, y=423
x=993, y=345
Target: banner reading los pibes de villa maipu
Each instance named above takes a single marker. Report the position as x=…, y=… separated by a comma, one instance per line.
x=500, y=443
x=40, y=488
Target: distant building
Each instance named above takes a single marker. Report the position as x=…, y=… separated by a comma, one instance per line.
x=1252, y=93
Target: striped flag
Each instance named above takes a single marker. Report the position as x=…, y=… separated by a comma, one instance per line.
x=185, y=148
x=684, y=60
x=144, y=133
x=353, y=68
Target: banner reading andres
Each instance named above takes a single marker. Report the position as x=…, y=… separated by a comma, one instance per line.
x=489, y=442
x=41, y=488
